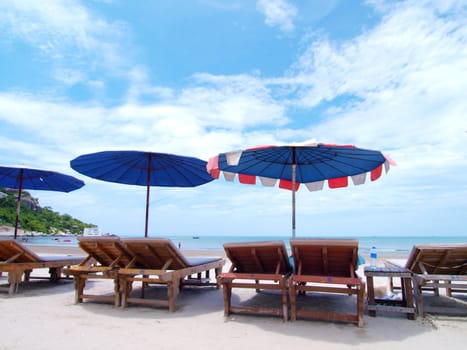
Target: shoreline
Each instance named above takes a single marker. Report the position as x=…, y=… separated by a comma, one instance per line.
x=388, y=247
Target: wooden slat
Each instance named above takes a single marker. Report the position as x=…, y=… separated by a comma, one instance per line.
x=389, y=308
x=268, y=286
x=434, y=263
x=256, y=259
x=327, y=279
x=19, y=260
x=148, y=302
x=160, y=262
x=256, y=310
x=331, y=316
x=252, y=276
x=442, y=277
x=105, y=256
x=324, y=289
x=325, y=260
x=38, y=265
x=258, y=266
x=323, y=265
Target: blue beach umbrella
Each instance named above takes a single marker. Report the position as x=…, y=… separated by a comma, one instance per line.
x=143, y=169
x=307, y=163
x=21, y=178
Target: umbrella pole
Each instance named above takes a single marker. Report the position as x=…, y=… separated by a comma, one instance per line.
x=293, y=199
x=147, y=212
x=18, y=203
x=147, y=196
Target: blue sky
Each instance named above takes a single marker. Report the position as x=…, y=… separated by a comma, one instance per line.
x=206, y=76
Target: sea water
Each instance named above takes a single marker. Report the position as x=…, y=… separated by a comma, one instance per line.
x=383, y=244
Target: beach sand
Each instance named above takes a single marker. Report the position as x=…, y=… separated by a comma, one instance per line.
x=43, y=316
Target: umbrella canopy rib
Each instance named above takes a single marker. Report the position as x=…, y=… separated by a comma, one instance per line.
x=22, y=178
x=307, y=163
x=143, y=169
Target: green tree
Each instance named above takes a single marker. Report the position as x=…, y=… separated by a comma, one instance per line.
x=37, y=219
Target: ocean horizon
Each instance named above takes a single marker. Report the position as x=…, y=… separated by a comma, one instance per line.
x=383, y=244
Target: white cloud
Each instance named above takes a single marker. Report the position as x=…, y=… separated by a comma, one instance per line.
x=278, y=13
x=69, y=76
x=409, y=87
x=67, y=33
x=403, y=81
x=411, y=41
x=233, y=102
x=141, y=90
x=199, y=120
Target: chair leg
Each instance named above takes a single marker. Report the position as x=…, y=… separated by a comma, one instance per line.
x=13, y=288
x=143, y=286
x=419, y=298
x=293, y=300
x=436, y=289
x=14, y=279
x=55, y=274
x=360, y=304
x=218, y=271
x=227, y=288
x=27, y=275
x=125, y=290
x=173, y=289
x=407, y=295
x=257, y=289
x=301, y=292
x=448, y=290
x=371, y=294
x=80, y=282
x=285, y=303
x=391, y=284
x=117, y=292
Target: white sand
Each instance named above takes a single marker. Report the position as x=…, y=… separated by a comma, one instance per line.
x=43, y=316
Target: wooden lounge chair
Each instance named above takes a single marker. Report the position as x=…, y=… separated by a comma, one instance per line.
x=17, y=259
x=326, y=266
x=105, y=256
x=256, y=265
x=436, y=266
x=158, y=261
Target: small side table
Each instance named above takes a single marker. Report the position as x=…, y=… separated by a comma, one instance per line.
x=406, y=305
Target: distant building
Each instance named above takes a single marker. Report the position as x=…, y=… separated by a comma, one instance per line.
x=92, y=231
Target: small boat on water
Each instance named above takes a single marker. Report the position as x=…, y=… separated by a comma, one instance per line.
x=195, y=237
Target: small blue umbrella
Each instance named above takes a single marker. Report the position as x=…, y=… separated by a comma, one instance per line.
x=307, y=163
x=143, y=169
x=22, y=178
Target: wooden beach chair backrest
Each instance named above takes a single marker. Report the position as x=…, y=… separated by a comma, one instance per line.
x=156, y=253
x=325, y=257
x=258, y=257
x=14, y=252
x=106, y=251
x=445, y=259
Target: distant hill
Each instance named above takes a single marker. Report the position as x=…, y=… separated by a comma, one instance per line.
x=34, y=218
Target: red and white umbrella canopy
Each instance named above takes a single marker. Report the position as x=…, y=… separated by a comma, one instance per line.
x=308, y=163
